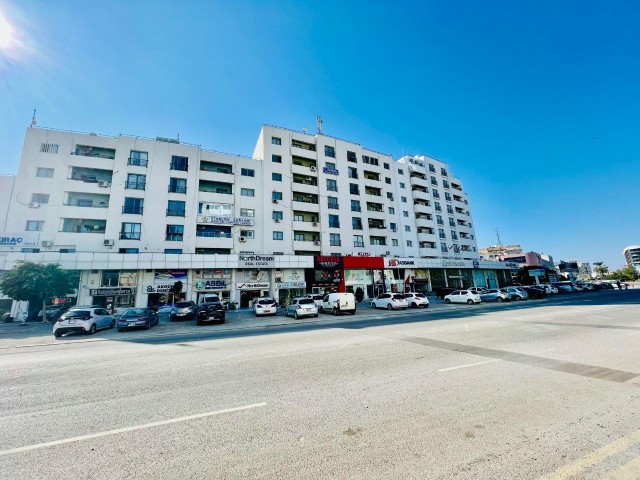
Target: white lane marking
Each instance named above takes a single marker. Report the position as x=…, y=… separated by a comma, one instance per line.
x=127, y=429
x=469, y=365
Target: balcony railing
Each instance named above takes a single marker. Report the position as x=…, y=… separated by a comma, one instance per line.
x=333, y=206
x=177, y=189
x=358, y=244
x=175, y=212
x=130, y=235
x=356, y=209
x=213, y=234
x=132, y=210
x=85, y=203
x=335, y=243
x=174, y=237
x=354, y=191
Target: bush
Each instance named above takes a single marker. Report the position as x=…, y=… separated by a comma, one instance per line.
x=359, y=295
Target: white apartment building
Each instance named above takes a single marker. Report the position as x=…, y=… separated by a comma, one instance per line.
x=136, y=214
x=632, y=256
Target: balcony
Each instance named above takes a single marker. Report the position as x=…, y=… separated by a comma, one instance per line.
x=373, y=192
x=313, y=245
x=86, y=200
x=307, y=188
x=305, y=225
x=420, y=195
x=419, y=182
x=368, y=175
x=422, y=222
x=303, y=145
x=305, y=179
x=82, y=225
x=215, y=239
x=377, y=225
x=96, y=152
x=215, y=167
x=208, y=186
x=306, y=168
x=428, y=252
x=95, y=176
x=422, y=208
x=177, y=189
x=426, y=237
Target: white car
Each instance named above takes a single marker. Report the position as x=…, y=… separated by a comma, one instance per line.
x=390, y=301
x=478, y=290
x=416, y=299
x=265, y=306
x=462, y=296
x=549, y=288
x=83, y=320
x=318, y=298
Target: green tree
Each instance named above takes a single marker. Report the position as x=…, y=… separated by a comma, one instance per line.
x=625, y=274
x=600, y=269
x=38, y=283
x=176, y=289
x=359, y=295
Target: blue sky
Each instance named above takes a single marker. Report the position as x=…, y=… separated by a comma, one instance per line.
x=535, y=105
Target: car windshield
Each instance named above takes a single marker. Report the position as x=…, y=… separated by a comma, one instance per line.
x=306, y=301
x=210, y=299
x=134, y=312
x=398, y=297
x=418, y=295
x=77, y=313
x=183, y=304
x=266, y=301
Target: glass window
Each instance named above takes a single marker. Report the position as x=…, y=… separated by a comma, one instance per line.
x=276, y=215
x=450, y=209
x=247, y=192
x=332, y=202
x=178, y=185
x=133, y=205
x=130, y=231
x=400, y=171
x=175, y=233
x=407, y=228
x=405, y=213
x=329, y=151
x=394, y=242
x=402, y=185
x=247, y=212
x=334, y=221
x=403, y=199
x=387, y=166
x=172, y=251
x=45, y=172
x=358, y=241
x=330, y=165
x=176, y=208
x=334, y=239
x=276, y=158
x=135, y=181
x=355, y=206
x=276, y=177
x=276, y=140
x=137, y=158
x=179, y=163
x=247, y=233
x=276, y=195
x=351, y=157
x=387, y=180
x=392, y=210
x=247, y=172
x=332, y=186
x=278, y=235
x=356, y=223
x=40, y=197
x=34, y=225
x=393, y=226
x=128, y=250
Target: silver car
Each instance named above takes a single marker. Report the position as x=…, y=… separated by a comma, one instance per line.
x=516, y=293
x=495, y=295
x=302, y=307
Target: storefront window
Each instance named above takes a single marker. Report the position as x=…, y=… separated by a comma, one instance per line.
x=110, y=278
x=437, y=278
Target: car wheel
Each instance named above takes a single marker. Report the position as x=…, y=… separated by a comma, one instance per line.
x=120, y=329
x=316, y=315
x=57, y=334
x=113, y=324
x=321, y=309
x=426, y=305
x=295, y=315
x=414, y=305
x=389, y=307
x=92, y=330
x=499, y=299
x=147, y=325
x=446, y=300
x=373, y=305
x=469, y=302
x=353, y=312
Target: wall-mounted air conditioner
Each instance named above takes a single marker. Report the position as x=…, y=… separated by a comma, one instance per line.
x=274, y=200
x=315, y=224
x=104, y=183
x=243, y=239
x=277, y=220
x=313, y=169
x=34, y=205
x=316, y=243
x=108, y=243
x=47, y=243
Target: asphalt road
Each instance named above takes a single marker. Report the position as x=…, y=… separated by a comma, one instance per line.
x=539, y=389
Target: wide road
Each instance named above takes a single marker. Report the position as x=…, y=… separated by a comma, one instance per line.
x=530, y=390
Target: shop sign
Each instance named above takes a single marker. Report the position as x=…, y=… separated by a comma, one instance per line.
x=253, y=286
x=453, y=263
x=164, y=276
x=329, y=171
x=364, y=254
x=285, y=285
x=394, y=262
x=537, y=272
x=159, y=288
x=104, y=292
x=328, y=262
x=211, y=285
x=256, y=261
x=224, y=220
x=17, y=240
x=512, y=265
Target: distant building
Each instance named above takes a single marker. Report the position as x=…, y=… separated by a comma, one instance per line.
x=547, y=261
x=497, y=251
x=632, y=255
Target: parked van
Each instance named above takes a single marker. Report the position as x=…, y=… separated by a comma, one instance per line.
x=338, y=303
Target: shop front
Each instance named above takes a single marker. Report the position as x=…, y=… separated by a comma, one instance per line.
x=400, y=274
x=251, y=291
x=290, y=283
x=364, y=272
x=113, y=298
x=163, y=290
x=326, y=276
x=215, y=281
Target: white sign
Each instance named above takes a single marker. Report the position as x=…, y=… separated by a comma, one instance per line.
x=161, y=288
x=256, y=261
x=253, y=286
x=224, y=220
x=210, y=285
x=291, y=285
x=10, y=239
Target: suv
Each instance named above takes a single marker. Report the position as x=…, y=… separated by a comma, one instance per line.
x=210, y=309
x=416, y=299
x=83, y=320
x=184, y=311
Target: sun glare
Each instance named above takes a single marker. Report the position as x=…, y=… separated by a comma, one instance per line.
x=6, y=33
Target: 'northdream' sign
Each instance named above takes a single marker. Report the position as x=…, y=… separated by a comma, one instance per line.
x=256, y=261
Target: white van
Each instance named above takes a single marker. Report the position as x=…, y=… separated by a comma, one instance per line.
x=338, y=303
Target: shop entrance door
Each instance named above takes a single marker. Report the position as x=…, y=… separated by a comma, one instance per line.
x=248, y=296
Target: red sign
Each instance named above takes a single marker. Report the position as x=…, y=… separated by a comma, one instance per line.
x=57, y=301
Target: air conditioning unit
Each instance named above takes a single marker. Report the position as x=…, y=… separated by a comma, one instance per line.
x=108, y=243
x=278, y=279
x=47, y=243
x=104, y=183
x=313, y=169
x=316, y=242
x=277, y=220
x=315, y=224
x=34, y=205
x=308, y=179
x=243, y=239
x=274, y=200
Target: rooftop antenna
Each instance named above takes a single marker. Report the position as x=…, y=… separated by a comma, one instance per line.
x=178, y=138
x=34, y=122
x=304, y=130
x=319, y=123
x=498, y=242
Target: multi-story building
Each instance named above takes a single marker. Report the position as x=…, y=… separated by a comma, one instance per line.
x=308, y=212
x=632, y=256
x=496, y=251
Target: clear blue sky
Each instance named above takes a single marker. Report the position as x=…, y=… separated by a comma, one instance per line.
x=535, y=105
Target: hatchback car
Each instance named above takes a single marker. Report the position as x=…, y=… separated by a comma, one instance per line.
x=390, y=301
x=462, y=296
x=302, y=307
x=265, y=306
x=416, y=299
x=184, y=311
x=495, y=295
x=137, y=318
x=535, y=292
x=83, y=320
x=516, y=293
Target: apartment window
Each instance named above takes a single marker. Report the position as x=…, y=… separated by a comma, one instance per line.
x=297, y=217
x=403, y=199
x=247, y=233
x=133, y=205
x=135, y=181
x=332, y=185
x=351, y=157
x=276, y=140
x=452, y=222
x=436, y=193
x=358, y=241
x=179, y=163
x=434, y=181
x=454, y=235
x=177, y=185
x=299, y=237
x=400, y=171
x=449, y=209
x=276, y=177
x=352, y=172
x=130, y=231
x=407, y=228
x=216, y=209
x=353, y=189
x=334, y=221
x=432, y=168
x=277, y=215
x=276, y=158
x=247, y=172
x=40, y=197
x=386, y=166
x=276, y=195
x=129, y=250
x=402, y=185
x=356, y=223
x=332, y=202
x=355, y=206
x=443, y=172
x=138, y=159
x=390, y=195
x=437, y=206
x=334, y=240
x=443, y=247
x=405, y=213
x=329, y=151
x=409, y=243
x=176, y=208
x=441, y=233
x=172, y=251
x=369, y=160
x=247, y=212
x=278, y=235
x=34, y=225
x=247, y=192
x=45, y=172
x=67, y=250
x=393, y=226
x=439, y=220
x=49, y=147
x=447, y=196
x=377, y=241
x=392, y=210
x=175, y=233
x=394, y=242
x=330, y=165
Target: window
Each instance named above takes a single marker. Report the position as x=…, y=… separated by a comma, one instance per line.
x=216, y=209
x=377, y=241
x=394, y=242
x=355, y=206
x=405, y=213
x=276, y=195
x=299, y=237
x=434, y=181
x=400, y=171
x=358, y=241
x=443, y=247
x=436, y=193
x=40, y=197
x=329, y=151
x=369, y=160
x=450, y=209
x=352, y=172
x=49, y=147
x=439, y=220
x=34, y=225
x=454, y=235
x=452, y=222
x=437, y=206
x=443, y=172
x=247, y=172
x=407, y=228
x=177, y=185
x=45, y=172
x=403, y=199
x=278, y=235
x=393, y=226
x=175, y=233
x=247, y=192
x=386, y=166
x=276, y=158
x=353, y=189
x=356, y=223
x=176, y=208
x=332, y=202
x=276, y=177
x=139, y=159
x=351, y=157
x=247, y=233
x=334, y=221
x=332, y=186
x=179, y=163
x=135, y=181
x=277, y=215
x=133, y=205
x=390, y=196
x=392, y=211
x=67, y=250
x=172, y=251
x=297, y=217
x=276, y=140
x=402, y=185
x=247, y=212
x=447, y=196
x=441, y=233
x=130, y=231
x=334, y=239
x=432, y=168
x=330, y=165
x=129, y=250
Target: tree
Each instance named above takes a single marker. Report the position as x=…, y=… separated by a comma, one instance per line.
x=359, y=295
x=522, y=276
x=175, y=289
x=600, y=269
x=625, y=274
x=35, y=282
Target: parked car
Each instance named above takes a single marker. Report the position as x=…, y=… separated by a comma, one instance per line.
x=165, y=309
x=462, y=296
x=390, y=301
x=338, y=303
x=184, y=311
x=534, y=292
x=442, y=291
x=477, y=290
x=83, y=320
x=302, y=307
x=137, y=318
x=495, y=295
x=417, y=299
x=564, y=287
x=516, y=293
x=54, y=312
x=548, y=288
x=210, y=310
x=265, y=306
x=606, y=286
x=318, y=298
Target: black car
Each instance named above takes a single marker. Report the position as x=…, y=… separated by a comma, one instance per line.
x=211, y=310
x=442, y=291
x=534, y=292
x=185, y=310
